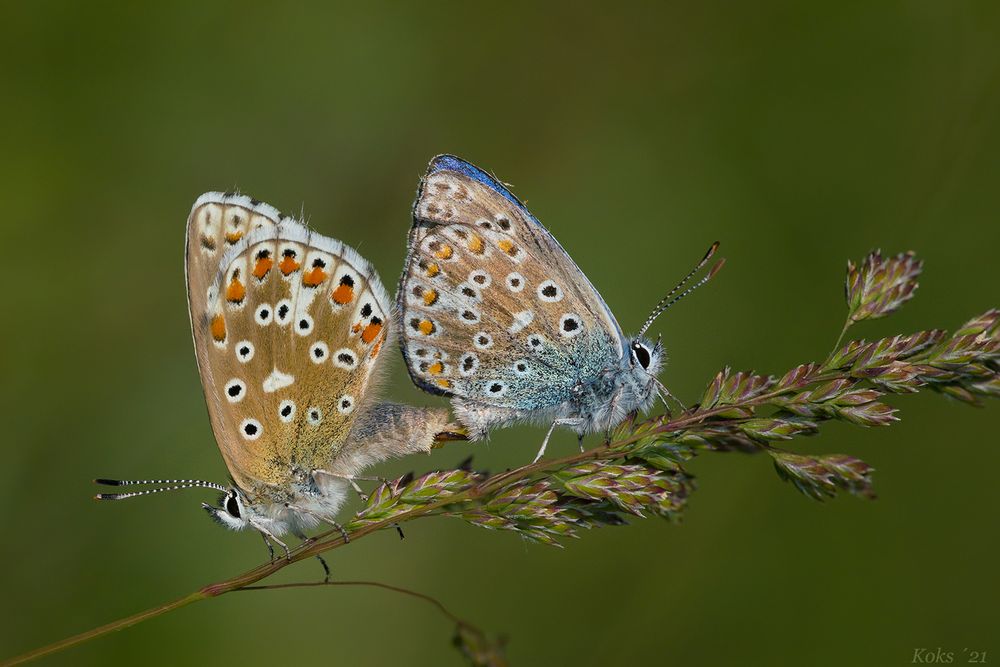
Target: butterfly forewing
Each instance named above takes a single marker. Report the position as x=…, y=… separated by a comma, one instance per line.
x=287, y=326
x=494, y=310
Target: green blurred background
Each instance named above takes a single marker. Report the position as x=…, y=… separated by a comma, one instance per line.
x=799, y=134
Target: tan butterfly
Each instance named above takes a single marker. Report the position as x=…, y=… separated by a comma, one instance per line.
x=290, y=330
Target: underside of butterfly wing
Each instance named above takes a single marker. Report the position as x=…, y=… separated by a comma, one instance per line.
x=288, y=325
x=494, y=312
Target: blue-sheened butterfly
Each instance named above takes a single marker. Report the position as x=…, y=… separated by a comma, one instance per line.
x=496, y=315
x=288, y=325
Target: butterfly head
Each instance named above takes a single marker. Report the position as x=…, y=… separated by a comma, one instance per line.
x=231, y=511
x=640, y=367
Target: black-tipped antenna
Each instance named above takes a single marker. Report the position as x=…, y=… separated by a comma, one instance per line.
x=177, y=484
x=667, y=301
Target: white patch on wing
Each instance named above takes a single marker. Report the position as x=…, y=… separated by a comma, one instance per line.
x=521, y=320
x=277, y=380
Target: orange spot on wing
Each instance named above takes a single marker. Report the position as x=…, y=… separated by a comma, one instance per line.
x=506, y=245
x=219, y=328
x=233, y=237
x=430, y=297
x=441, y=382
x=436, y=368
x=445, y=252
x=262, y=266
x=375, y=350
x=314, y=277
x=476, y=244
x=433, y=270
x=356, y=328
x=235, y=292
x=426, y=327
x=288, y=265
x=371, y=332
x=343, y=294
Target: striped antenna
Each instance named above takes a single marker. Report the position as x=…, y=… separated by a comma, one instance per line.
x=667, y=301
x=175, y=485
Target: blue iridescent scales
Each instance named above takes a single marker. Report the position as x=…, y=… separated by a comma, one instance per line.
x=496, y=315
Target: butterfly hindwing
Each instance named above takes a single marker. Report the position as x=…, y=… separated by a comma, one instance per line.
x=493, y=309
x=288, y=325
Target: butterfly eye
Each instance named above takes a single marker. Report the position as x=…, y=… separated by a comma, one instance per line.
x=641, y=354
x=232, y=507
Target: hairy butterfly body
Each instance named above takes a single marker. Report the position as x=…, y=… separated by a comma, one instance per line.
x=497, y=316
x=290, y=329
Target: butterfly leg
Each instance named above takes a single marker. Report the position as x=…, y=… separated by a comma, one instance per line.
x=458, y=434
x=343, y=531
x=361, y=493
x=268, y=535
x=270, y=549
x=579, y=440
x=358, y=489
x=545, y=442
x=353, y=480
x=664, y=394
x=326, y=568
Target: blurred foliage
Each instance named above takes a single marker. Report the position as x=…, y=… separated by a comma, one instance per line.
x=798, y=134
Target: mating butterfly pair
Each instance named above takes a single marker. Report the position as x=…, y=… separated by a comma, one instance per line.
x=291, y=328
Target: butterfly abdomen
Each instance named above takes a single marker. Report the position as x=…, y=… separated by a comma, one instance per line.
x=388, y=430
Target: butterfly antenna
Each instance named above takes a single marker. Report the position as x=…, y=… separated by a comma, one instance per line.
x=670, y=299
x=175, y=484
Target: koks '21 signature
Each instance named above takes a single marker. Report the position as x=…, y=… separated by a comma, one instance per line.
x=939, y=656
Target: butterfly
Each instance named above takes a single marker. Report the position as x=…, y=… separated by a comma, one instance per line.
x=290, y=329
x=497, y=316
